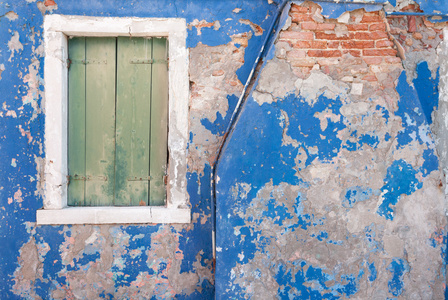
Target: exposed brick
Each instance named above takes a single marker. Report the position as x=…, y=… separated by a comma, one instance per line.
x=377, y=26
x=370, y=78
x=373, y=60
x=301, y=72
x=412, y=24
x=355, y=53
x=324, y=53
x=296, y=54
x=357, y=27
x=49, y=3
x=384, y=44
x=428, y=23
x=373, y=35
x=310, y=44
x=297, y=35
x=299, y=17
x=379, y=52
x=393, y=60
x=333, y=44
x=411, y=8
x=325, y=69
x=303, y=62
x=417, y=35
x=358, y=44
x=317, y=26
x=309, y=25
x=318, y=44
x=299, y=9
x=302, y=44
x=331, y=36
x=325, y=26
x=370, y=18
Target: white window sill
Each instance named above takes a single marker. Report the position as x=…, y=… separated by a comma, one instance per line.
x=113, y=215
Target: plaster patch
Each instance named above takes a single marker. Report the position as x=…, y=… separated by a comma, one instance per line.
x=203, y=24
x=344, y=18
x=326, y=115
x=318, y=84
x=29, y=269
x=214, y=88
x=11, y=15
x=262, y=98
x=33, y=82
x=356, y=89
x=276, y=79
x=14, y=45
x=355, y=109
x=2, y=68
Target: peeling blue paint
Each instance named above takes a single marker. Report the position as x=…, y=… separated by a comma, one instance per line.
x=427, y=89
x=194, y=241
x=415, y=112
x=400, y=179
x=398, y=267
x=257, y=156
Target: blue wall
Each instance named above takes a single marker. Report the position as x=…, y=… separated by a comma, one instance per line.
x=262, y=203
x=327, y=194
x=104, y=260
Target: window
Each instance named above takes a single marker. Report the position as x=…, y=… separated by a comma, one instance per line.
x=117, y=121
x=127, y=175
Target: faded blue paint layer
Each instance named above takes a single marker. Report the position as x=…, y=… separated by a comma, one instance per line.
x=356, y=194
x=372, y=271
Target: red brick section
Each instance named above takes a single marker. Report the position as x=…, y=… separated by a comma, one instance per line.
x=312, y=41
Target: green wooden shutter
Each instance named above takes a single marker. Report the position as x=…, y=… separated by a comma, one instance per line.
x=159, y=122
x=77, y=121
x=118, y=121
x=92, y=117
x=133, y=120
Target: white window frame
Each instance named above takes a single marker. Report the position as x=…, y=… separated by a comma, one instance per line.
x=57, y=28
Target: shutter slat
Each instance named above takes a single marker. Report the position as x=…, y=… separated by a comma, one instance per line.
x=76, y=121
x=100, y=120
x=159, y=122
x=133, y=121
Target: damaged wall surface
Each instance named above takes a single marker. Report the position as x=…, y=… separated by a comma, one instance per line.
x=330, y=184
x=153, y=261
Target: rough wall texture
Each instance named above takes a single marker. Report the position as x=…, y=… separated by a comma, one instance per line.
x=329, y=185
x=122, y=262
x=336, y=193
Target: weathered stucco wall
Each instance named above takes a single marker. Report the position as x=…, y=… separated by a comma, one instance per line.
x=329, y=185
x=122, y=262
